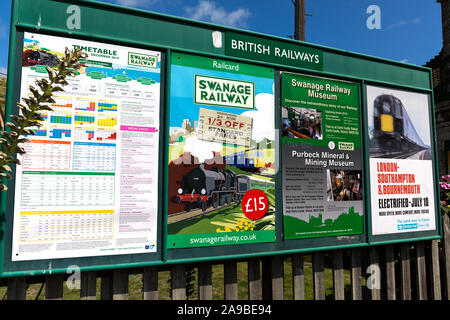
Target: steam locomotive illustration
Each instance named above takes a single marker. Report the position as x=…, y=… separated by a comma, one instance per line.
x=38, y=57
x=393, y=131
x=251, y=160
x=201, y=188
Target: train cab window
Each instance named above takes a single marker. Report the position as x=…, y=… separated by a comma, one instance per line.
x=376, y=112
x=398, y=109
x=386, y=107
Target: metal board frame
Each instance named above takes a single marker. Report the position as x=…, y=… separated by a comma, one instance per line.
x=130, y=27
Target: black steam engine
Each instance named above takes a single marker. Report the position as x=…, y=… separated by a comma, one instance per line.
x=201, y=188
x=40, y=57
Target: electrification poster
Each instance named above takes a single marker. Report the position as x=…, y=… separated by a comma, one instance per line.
x=88, y=180
x=401, y=169
x=322, y=160
x=221, y=188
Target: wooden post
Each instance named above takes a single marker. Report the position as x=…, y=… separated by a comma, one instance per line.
x=356, y=274
x=277, y=278
x=150, y=283
x=435, y=271
x=266, y=278
x=88, y=286
x=205, y=281
x=54, y=287
x=178, y=282
x=375, y=290
x=106, y=289
x=17, y=288
x=299, y=33
x=390, y=272
x=254, y=279
x=230, y=280
x=446, y=229
x=406, y=271
x=318, y=276
x=338, y=275
x=421, y=272
x=120, y=284
x=298, y=277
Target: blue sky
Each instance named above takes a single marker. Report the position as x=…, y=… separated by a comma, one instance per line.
x=410, y=30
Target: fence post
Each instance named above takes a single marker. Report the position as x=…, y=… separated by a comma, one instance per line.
x=54, y=287
x=254, y=279
x=298, y=277
x=277, y=278
x=17, y=288
x=338, y=275
x=406, y=271
x=446, y=228
x=120, y=284
x=205, y=281
x=150, y=283
x=230, y=280
x=375, y=291
x=435, y=271
x=421, y=272
x=356, y=274
x=178, y=280
x=318, y=276
x=106, y=289
x=390, y=272
x=88, y=286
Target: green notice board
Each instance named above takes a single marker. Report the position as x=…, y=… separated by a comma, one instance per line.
x=273, y=126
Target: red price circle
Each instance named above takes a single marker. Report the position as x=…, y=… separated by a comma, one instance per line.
x=255, y=204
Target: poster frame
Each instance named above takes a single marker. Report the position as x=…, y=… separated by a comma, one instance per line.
x=436, y=233
x=8, y=267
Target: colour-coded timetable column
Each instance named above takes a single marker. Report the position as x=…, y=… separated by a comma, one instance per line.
x=47, y=155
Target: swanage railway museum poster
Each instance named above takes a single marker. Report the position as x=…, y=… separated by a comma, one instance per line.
x=401, y=172
x=322, y=161
x=221, y=188
x=87, y=184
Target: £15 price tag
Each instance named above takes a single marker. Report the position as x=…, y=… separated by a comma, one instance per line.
x=255, y=204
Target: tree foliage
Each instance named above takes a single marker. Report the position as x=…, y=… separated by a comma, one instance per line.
x=14, y=135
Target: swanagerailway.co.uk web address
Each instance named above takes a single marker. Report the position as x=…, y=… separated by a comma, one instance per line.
x=223, y=239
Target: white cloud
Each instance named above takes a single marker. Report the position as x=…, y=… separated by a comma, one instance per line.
x=208, y=11
x=263, y=117
x=136, y=3
x=403, y=22
x=3, y=71
x=201, y=149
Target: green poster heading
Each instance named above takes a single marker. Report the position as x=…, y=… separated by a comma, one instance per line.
x=318, y=91
x=243, y=46
x=334, y=104
x=224, y=92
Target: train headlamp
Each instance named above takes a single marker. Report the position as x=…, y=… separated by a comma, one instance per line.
x=387, y=123
x=180, y=191
x=203, y=191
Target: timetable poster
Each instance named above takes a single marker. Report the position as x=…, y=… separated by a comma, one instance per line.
x=322, y=160
x=221, y=188
x=401, y=167
x=88, y=181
